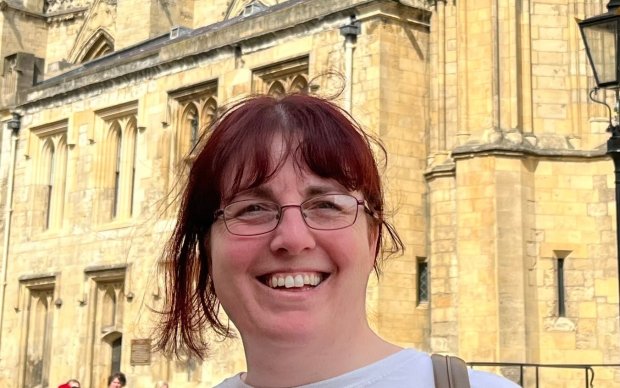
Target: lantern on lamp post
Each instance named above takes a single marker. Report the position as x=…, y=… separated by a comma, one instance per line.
x=601, y=37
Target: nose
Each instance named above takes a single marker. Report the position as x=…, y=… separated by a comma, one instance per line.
x=292, y=236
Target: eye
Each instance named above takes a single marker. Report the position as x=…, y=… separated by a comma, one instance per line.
x=328, y=203
x=250, y=209
x=325, y=204
x=253, y=207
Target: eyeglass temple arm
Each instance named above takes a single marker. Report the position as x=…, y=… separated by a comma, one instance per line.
x=367, y=208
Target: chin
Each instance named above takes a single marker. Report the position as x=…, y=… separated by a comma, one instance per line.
x=289, y=328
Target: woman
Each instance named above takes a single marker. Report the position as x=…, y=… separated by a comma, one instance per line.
x=117, y=380
x=282, y=222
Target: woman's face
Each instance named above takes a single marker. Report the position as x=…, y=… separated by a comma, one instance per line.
x=245, y=269
x=116, y=383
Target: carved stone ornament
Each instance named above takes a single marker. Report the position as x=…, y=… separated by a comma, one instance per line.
x=52, y=6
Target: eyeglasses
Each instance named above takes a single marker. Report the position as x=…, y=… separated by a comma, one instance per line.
x=324, y=212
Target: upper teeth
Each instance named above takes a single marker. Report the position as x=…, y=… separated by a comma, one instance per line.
x=290, y=281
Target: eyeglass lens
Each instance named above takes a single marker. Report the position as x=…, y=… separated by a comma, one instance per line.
x=323, y=212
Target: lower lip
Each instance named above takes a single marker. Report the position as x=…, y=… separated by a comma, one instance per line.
x=295, y=289
x=293, y=298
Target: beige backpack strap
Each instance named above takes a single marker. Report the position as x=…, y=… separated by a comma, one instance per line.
x=449, y=372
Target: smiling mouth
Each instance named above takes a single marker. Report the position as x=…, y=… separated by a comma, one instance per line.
x=293, y=280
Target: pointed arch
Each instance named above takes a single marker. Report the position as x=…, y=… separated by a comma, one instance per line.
x=195, y=107
x=276, y=89
x=209, y=112
x=104, y=349
x=299, y=84
x=108, y=308
x=99, y=44
x=111, y=347
x=190, y=123
x=284, y=77
x=90, y=26
x=118, y=161
x=60, y=182
x=47, y=161
x=130, y=158
x=40, y=325
x=39, y=338
x=48, y=178
x=115, y=143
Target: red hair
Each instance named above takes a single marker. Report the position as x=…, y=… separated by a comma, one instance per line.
x=235, y=156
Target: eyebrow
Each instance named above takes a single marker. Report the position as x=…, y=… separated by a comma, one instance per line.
x=321, y=189
x=266, y=192
x=259, y=191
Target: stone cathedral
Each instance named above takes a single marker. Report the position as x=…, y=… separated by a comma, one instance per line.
x=497, y=177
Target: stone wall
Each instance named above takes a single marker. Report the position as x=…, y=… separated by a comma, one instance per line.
x=527, y=187
x=94, y=253
x=496, y=173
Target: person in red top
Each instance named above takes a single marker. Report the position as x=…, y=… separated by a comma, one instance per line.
x=73, y=383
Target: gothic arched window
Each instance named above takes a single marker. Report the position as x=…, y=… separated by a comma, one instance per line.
x=115, y=148
x=48, y=176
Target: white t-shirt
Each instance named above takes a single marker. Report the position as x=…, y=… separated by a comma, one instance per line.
x=407, y=368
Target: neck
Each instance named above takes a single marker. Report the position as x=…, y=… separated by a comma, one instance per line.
x=281, y=363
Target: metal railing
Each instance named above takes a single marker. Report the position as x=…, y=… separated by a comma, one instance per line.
x=587, y=369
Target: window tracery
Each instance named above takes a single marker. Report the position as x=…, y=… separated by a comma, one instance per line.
x=39, y=338
x=281, y=78
x=37, y=305
x=50, y=184
x=118, y=161
x=194, y=109
x=99, y=45
x=108, y=295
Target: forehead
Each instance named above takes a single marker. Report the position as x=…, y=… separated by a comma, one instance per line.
x=288, y=176
x=251, y=170
x=256, y=154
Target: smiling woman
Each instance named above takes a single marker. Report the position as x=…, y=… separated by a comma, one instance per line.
x=281, y=223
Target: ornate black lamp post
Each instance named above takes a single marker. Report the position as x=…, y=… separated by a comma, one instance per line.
x=601, y=36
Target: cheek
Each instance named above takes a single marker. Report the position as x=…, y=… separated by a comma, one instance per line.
x=230, y=255
x=222, y=271
x=354, y=247
x=367, y=243
x=219, y=252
